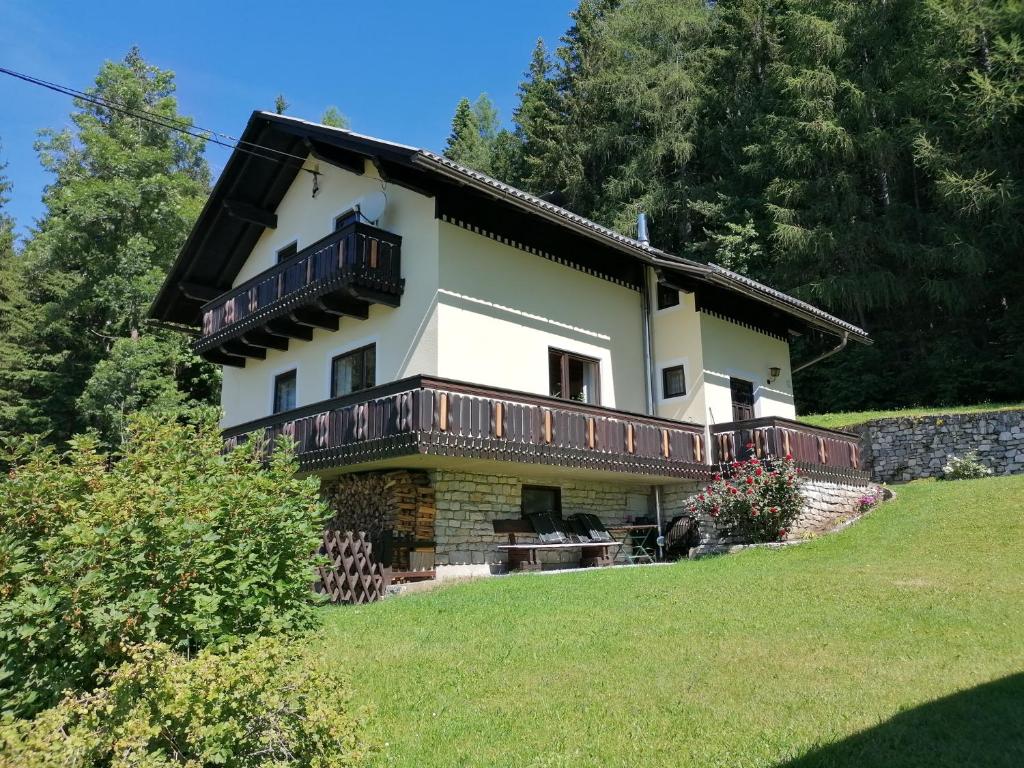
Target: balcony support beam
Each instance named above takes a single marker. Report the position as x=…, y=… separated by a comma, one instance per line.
x=239, y=348
x=217, y=357
x=376, y=297
x=344, y=306
x=282, y=326
x=315, y=319
x=266, y=340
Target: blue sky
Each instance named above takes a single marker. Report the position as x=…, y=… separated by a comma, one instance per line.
x=396, y=68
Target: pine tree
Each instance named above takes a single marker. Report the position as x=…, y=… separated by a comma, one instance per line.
x=466, y=145
x=540, y=125
x=23, y=374
x=333, y=117
x=125, y=193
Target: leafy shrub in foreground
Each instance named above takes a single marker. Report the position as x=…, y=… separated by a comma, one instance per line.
x=172, y=542
x=754, y=501
x=272, y=703
x=967, y=467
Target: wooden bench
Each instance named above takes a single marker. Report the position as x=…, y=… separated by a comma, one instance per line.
x=523, y=557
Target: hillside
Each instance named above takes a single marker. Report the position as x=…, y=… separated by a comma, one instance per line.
x=894, y=643
x=852, y=418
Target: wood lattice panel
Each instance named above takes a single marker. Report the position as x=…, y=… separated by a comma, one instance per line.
x=351, y=575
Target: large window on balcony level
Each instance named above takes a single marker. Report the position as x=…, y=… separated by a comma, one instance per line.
x=574, y=377
x=354, y=371
x=284, y=392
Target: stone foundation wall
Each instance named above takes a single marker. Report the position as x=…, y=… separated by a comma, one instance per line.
x=898, y=450
x=467, y=503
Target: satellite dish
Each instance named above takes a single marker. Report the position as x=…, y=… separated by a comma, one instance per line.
x=372, y=206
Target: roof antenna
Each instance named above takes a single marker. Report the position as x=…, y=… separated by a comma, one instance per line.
x=641, y=229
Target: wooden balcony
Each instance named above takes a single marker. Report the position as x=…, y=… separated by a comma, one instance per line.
x=338, y=276
x=821, y=453
x=437, y=417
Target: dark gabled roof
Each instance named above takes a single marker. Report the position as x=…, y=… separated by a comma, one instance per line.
x=254, y=182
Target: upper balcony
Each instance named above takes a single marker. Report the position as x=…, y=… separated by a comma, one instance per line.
x=340, y=275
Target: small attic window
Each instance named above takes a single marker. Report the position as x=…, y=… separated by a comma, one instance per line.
x=288, y=251
x=667, y=297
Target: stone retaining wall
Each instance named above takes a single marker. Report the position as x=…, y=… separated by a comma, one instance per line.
x=898, y=450
x=826, y=504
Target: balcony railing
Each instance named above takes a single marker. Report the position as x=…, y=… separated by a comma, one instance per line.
x=818, y=451
x=359, y=263
x=438, y=417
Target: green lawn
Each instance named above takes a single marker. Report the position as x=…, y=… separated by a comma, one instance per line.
x=898, y=642
x=850, y=418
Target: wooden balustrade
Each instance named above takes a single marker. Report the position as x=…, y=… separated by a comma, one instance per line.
x=339, y=275
x=426, y=415
x=825, y=452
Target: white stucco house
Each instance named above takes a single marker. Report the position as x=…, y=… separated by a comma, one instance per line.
x=389, y=308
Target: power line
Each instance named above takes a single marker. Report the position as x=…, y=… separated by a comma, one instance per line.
x=174, y=124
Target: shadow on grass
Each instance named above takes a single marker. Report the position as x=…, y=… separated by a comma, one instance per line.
x=983, y=726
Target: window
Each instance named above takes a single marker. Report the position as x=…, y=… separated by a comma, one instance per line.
x=287, y=252
x=284, y=392
x=343, y=220
x=573, y=377
x=541, y=498
x=354, y=371
x=667, y=297
x=673, y=381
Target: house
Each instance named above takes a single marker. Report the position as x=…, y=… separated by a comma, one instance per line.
x=390, y=309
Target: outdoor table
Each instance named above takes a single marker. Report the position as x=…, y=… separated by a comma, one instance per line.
x=638, y=553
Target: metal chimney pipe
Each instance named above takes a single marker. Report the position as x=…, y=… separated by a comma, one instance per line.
x=641, y=229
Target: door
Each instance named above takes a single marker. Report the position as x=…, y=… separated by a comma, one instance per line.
x=742, y=399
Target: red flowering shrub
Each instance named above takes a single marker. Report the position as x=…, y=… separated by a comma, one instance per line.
x=754, y=500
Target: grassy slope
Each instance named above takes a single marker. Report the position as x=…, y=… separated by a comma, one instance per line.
x=842, y=420
x=746, y=660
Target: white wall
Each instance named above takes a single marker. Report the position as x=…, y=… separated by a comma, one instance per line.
x=500, y=309
x=677, y=341
x=732, y=350
x=406, y=336
x=484, y=312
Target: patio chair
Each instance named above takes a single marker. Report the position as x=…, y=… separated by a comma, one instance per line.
x=590, y=527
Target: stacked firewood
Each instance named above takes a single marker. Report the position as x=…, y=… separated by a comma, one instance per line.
x=399, y=502
x=359, y=504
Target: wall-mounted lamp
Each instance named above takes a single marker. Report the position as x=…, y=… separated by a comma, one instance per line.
x=773, y=373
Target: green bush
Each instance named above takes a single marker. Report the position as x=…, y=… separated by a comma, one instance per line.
x=754, y=500
x=171, y=542
x=272, y=703
x=967, y=467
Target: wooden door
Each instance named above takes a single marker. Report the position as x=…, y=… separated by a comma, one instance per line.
x=742, y=399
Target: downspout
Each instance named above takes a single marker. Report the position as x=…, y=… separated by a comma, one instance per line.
x=648, y=346
x=838, y=348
